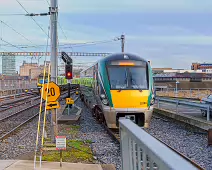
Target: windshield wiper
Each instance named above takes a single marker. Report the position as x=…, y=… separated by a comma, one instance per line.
x=125, y=81
x=133, y=82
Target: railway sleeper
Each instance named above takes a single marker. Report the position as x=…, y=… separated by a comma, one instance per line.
x=99, y=116
x=82, y=97
x=93, y=111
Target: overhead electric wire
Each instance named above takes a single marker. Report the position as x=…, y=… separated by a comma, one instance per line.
x=4, y=49
x=11, y=14
x=31, y=17
x=48, y=2
x=23, y=46
x=13, y=45
x=87, y=44
x=75, y=44
x=96, y=42
x=62, y=31
x=17, y=32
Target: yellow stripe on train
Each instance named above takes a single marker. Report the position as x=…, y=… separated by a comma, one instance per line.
x=130, y=98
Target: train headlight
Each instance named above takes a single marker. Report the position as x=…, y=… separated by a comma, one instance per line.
x=152, y=101
x=102, y=96
x=105, y=101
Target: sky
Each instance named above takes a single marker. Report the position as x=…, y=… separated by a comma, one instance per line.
x=169, y=33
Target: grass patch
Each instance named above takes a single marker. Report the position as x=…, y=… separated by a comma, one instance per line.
x=78, y=151
x=71, y=130
x=89, y=141
x=49, y=145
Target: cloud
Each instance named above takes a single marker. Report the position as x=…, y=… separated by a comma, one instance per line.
x=101, y=6
x=177, y=40
x=163, y=31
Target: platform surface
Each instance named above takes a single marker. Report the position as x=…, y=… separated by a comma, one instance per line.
x=71, y=117
x=29, y=165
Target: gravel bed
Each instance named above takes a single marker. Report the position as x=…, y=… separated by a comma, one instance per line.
x=12, y=122
x=12, y=110
x=9, y=101
x=188, y=140
x=103, y=146
x=21, y=145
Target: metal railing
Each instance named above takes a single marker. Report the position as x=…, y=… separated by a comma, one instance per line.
x=188, y=103
x=185, y=93
x=141, y=151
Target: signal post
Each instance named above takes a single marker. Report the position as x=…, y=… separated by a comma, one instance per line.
x=68, y=75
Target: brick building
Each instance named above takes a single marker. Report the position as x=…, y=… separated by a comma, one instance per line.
x=25, y=68
x=201, y=66
x=32, y=70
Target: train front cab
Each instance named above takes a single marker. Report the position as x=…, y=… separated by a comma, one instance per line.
x=130, y=93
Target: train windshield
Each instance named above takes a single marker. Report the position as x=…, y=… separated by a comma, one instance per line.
x=126, y=77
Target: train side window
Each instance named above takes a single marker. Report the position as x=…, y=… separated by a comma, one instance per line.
x=210, y=96
x=97, y=83
x=101, y=91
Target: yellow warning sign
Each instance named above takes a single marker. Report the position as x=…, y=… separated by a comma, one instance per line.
x=53, y=92
x=69, y=101
x=52, y=105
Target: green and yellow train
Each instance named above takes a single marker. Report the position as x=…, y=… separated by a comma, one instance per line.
x=61, y=80
x=120, y=85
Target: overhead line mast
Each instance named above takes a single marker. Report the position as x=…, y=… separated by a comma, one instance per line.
x=54, y=60
x=122, y=42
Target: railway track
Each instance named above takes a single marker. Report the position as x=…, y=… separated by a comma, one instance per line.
x=5, y=122
x=9, y=102
x=15, y=96
x=115, y=134
x=6, y=133
x=18, y=103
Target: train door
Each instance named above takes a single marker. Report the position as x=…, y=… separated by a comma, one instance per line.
x=95, y=82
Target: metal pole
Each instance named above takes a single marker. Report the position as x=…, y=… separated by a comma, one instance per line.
x=69, y=90
x=60, y=158
x=208, y=113
x=69, y=95
x=54, y=60
x=122, y=43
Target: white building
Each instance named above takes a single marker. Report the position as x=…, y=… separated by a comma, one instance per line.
x=8, y=65
x=182, y=71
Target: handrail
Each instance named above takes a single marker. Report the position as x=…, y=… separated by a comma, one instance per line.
x=186, y=103
x=137, y=144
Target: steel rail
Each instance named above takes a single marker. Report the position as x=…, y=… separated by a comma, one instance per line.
x=16, y=104
x=25, y=122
